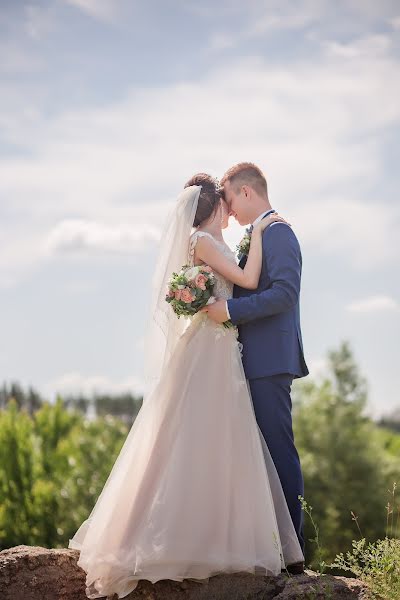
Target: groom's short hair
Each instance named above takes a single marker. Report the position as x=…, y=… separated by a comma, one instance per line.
x=246, y=173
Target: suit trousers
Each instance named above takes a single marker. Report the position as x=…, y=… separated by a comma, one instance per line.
x=273, y=409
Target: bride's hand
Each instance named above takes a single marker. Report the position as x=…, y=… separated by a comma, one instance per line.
x=272, y=218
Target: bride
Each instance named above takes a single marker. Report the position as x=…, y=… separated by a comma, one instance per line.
x=194, y=491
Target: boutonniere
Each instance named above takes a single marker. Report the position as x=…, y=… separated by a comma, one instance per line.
x=244, y=246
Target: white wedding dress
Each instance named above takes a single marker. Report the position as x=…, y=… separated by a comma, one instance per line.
x=196, y=492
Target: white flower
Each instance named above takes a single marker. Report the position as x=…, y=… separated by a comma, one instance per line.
x=191, y=273
x=211, y=300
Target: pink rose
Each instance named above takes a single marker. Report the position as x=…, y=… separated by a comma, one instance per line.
x=186, y=296
x=171, y=293
x=178, y=294
x=200, y=281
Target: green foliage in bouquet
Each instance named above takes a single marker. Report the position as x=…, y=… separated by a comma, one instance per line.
x=190, y=290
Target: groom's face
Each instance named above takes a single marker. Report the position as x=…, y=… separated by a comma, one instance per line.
x=238, y=204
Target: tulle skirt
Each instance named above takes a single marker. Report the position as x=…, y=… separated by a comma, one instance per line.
x=194, y=491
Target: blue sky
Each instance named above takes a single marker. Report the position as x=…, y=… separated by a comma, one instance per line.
x=108, y=107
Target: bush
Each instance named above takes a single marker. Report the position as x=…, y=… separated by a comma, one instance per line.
x=53, y=466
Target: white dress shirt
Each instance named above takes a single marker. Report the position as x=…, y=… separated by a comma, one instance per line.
x=253, y=224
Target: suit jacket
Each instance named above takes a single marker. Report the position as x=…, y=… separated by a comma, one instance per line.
x=268, y=318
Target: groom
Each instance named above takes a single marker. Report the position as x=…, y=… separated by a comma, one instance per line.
x=268, y=320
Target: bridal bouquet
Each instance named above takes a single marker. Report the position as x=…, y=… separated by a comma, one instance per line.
x=191, y=289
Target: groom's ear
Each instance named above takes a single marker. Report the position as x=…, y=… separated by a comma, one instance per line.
x=246, y=189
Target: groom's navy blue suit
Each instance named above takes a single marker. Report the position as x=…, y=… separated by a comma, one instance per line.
x=268, y=320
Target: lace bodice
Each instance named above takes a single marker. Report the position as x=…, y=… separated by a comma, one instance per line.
x=222, y=288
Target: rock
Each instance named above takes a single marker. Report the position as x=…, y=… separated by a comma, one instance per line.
x=35, y=573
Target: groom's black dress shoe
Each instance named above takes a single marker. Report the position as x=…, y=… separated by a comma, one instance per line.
x=294, y=568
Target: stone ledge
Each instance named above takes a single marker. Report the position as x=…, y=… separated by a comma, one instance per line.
x=35, y=573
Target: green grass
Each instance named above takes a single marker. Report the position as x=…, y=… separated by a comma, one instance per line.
x=376, y=563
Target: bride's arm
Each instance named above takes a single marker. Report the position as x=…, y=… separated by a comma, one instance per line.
x=208, y=252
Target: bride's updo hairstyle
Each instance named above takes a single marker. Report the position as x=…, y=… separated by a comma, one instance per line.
x=209, y=196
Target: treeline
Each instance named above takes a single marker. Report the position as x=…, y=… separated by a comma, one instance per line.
x=56, y=457
x=125, y=406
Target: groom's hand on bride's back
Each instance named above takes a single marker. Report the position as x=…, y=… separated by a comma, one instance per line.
x=216, y=311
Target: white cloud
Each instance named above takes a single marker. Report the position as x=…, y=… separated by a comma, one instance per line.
x=374, y=304
x=395, y=22
x=315, y=19
x=314, y=127
x=370, y=45
x=77, y=235
x=38, y=20
x=103, y=10
x=15, y=60
x=76, y=383
x=222, y=41
x=349, y=229
x=283, y=19
x=20, y=253
x=25, y=249
x=260, y=18
x=369, y=10
x=321, y=124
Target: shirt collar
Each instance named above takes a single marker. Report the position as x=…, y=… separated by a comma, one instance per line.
x=262, y=216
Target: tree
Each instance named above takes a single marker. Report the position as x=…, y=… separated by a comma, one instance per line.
x=342, y=460
x=30, y=400
x=53, y=466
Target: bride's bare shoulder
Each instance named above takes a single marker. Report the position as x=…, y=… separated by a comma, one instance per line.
x=203, y=245
x=201, y=234
x=201, y=238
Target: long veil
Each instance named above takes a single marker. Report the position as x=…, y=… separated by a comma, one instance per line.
x=164, y=328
